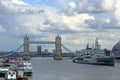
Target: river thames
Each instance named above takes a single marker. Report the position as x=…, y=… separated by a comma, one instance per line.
x=49, y=69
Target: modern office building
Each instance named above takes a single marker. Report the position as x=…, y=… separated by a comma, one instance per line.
x=39, y=49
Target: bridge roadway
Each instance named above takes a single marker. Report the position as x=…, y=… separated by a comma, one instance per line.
x=41, y=42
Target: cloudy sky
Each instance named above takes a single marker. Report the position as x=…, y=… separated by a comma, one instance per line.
x=77, y=21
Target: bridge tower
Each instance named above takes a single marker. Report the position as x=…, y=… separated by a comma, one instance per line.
x=26, y=48
x=58, y=50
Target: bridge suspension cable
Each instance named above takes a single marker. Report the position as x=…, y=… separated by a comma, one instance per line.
x=68, y=50
x=11, y=52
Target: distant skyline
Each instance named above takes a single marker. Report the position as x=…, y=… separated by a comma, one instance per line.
x=77, y=21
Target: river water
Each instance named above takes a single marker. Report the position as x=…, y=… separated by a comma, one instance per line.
x=49, y=69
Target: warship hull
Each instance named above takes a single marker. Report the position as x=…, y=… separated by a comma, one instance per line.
x=96, y=61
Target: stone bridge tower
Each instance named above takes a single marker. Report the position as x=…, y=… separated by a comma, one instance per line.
x=58, y=50
x=26, y=48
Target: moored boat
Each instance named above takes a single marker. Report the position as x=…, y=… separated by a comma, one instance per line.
x=10, y=75
x=27, y=66
x=94, y=55
x=4, y=69
x=97, y=61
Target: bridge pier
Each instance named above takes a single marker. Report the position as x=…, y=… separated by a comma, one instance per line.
x=58, y=50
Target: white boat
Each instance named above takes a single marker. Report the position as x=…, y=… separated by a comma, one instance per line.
x=94, y=55
x=10, y=75
x=4, y=69
x=27, y=66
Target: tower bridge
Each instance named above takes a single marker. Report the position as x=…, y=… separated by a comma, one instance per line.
x=57, y=42
x=27, y=42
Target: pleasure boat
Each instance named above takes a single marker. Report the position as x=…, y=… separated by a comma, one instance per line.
x=10, y=75
x=27, y=66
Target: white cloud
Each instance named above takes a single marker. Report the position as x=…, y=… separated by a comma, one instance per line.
x=78, y=23
x=19, y=2
x=2, y=29
x=90, y=6
x=117, y=12
x=108, y=20
x=18, y=6
x=61, y=23
x=72, y=4
x=108, y=5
